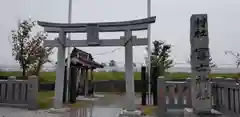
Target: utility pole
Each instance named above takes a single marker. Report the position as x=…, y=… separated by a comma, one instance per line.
x=69, y=48
x=149, y=49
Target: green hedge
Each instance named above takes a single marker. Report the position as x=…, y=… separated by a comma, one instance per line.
x=50, y=76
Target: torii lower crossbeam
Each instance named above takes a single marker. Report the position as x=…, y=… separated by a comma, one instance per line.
x=103, y=42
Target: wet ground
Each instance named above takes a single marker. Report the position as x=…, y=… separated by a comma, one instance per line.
x=107, y=106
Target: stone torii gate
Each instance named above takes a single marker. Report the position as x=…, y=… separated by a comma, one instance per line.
x=92, y=30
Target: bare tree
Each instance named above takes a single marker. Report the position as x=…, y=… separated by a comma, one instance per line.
x=211, y=63
x=236, y=55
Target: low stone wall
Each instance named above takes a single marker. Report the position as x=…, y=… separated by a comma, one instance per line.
x=118, y=85
x=112, y=85
x=101, y=86
x=19, y=93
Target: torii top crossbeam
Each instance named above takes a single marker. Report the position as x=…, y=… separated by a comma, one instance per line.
x=133, y=25
x=93, y=29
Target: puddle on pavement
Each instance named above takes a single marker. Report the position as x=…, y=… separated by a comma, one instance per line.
x=102, y=108
x=94, y=112
x=109, y=106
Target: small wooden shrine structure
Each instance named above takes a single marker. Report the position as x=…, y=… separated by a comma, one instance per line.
x=81, y=75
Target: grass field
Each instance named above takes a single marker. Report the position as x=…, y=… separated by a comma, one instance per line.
x=48, y=77
x=45, y=101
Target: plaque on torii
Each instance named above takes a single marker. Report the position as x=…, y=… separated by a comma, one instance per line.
x=92, y=30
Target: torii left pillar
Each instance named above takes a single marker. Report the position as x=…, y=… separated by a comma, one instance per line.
x=58, y=99
x=129, y=76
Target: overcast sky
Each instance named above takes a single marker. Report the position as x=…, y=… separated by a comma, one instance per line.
x=172, y=23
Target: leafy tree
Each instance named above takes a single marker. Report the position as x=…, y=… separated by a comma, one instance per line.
x=41, y=53
x=112, y=63
x=160, y=57
x=161, y=54
x=28, y=50
x=20, y=39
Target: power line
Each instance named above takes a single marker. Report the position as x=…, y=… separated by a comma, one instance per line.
x=114, y=50
x=108, y=52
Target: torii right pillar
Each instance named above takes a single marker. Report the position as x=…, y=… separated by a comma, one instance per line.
x=200, y=83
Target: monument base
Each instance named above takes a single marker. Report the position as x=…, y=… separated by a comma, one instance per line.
x=130, y=113
x=188, y=112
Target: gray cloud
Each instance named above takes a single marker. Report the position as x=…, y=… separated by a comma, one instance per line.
x=172, y=23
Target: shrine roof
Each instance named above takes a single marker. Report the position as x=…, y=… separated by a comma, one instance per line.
x=82, y=58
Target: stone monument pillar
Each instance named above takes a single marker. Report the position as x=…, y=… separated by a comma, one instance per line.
x=199, y=41
x=200, y=84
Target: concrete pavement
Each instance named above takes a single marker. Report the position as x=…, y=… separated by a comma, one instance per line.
x=108, y=106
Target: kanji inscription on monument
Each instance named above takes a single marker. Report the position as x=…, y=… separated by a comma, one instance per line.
x=201, y=92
